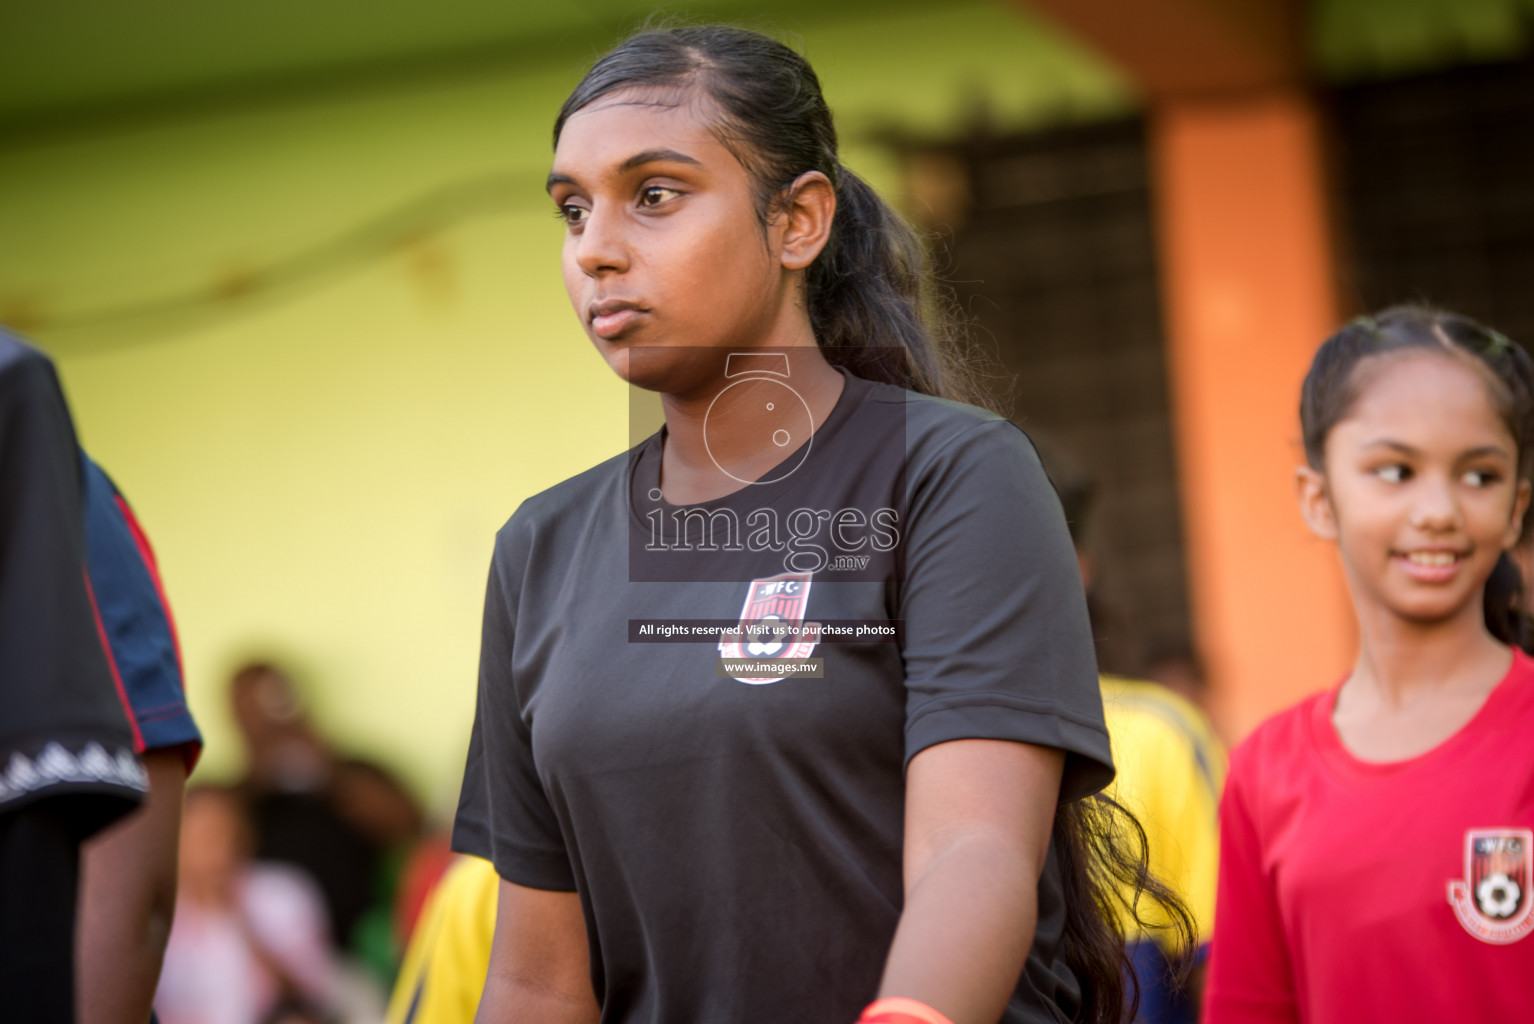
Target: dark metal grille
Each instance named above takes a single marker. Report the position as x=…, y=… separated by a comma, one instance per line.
x=1435, y=175
x=1055, y=262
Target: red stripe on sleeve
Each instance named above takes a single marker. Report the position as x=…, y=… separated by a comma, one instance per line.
x=147, y=554
x=193, y=751
x=106, y=648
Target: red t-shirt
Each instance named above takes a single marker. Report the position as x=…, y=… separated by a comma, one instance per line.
x=1357, y=891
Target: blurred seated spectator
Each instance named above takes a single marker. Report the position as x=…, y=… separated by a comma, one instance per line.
x=1181, y=671
x=449, y=953
x=424, y=867
x=1170, y=772
x=250, y=942
x=347, y=822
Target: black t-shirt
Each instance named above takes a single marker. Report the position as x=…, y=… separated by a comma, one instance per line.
x=63, y=728
x=735, y=833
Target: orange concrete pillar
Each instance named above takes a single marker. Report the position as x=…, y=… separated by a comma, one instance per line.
x=1246, y=273
x=1247, y=290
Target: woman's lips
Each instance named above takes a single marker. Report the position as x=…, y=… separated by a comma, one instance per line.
x=610, y=319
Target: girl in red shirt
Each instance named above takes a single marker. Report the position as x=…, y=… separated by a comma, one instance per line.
x=1376, y=839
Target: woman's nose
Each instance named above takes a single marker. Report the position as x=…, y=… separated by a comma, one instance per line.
x=601, y=246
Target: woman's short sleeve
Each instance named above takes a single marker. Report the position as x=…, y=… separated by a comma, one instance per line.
x=504, y=815
x=996, y=639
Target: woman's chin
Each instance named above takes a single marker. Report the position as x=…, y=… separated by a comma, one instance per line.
x=668, y=369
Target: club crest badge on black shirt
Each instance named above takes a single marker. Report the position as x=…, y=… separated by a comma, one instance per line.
x=772, y=625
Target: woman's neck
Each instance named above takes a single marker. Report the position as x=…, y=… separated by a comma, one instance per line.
x=749, y=430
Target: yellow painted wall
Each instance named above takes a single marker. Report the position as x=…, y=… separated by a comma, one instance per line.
x=322, y=469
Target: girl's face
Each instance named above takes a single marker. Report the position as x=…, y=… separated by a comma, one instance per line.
x=1420, y=488
x=663, y=248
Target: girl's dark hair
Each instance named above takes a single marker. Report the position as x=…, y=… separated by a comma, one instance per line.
x=1335, y=381
x=870, y=293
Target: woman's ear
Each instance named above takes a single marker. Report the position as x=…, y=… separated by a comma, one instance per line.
x=1315, y=505
x=809, y=206
x=1515, y=524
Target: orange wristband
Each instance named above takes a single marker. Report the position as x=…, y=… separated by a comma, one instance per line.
x=899, y=1010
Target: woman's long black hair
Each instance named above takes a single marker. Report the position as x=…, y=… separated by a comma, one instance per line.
x=870, y=292
x=1333, y=383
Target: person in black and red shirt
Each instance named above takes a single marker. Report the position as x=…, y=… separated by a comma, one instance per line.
x=67, y=764
x=128, y=876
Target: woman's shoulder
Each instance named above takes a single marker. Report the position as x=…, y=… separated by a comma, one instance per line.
x=929, y=413
x=939, y=430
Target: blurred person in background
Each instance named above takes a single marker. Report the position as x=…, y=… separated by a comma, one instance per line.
x=251, y=941
x=128, y=872
x=1171, y=769
x=348, y=822
x=424, y=867
x=444, y=918
x=443, y=974
x=1180, y=670
x=67, y=764
x=427, y=862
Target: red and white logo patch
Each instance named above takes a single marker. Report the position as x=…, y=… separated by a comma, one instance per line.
x=772, y=625
x=1493, y=901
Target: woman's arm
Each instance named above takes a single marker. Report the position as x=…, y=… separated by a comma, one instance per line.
x=127, y=900
x=978, y=819
x=540, y=968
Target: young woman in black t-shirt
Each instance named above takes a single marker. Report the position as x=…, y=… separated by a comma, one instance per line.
x=708, y=217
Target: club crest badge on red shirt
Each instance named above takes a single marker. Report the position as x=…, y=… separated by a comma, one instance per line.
x=772, y=625
x=1493, y=901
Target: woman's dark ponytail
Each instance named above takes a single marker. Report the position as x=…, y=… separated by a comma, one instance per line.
x=874, y=305
x=867, y=288
x=1104, y=860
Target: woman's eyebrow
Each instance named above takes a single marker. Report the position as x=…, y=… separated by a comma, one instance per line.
x=649, y=156
x=656, y=156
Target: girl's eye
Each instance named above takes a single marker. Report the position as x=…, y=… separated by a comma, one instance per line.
x=1394, y=473
x=571, y=214
x=1481, y=477
x=654, y=195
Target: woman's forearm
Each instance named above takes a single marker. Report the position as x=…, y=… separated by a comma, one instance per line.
x=540, y=969
x=507, y=1000
x=128, y=899
x=966, y=928
x=978, y=820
